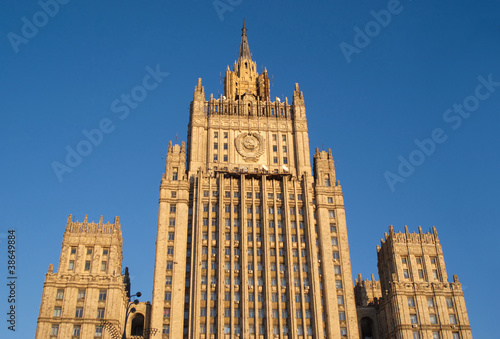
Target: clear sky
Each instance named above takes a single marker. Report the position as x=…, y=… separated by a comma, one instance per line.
x=379, y=87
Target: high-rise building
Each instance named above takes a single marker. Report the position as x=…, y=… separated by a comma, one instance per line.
x=252, y=241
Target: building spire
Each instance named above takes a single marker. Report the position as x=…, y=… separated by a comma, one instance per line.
x=244, y=49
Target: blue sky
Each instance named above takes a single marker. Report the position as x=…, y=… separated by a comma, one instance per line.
x=368, y=96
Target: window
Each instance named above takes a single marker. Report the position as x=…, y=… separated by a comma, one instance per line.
x=76, y=330
x=333, y=228
x=331, y=214
x=81, y=294
x=203, y=312
x=100, y=313
x=406, y=273
x=435, y=335
x=435, y=274
x=433, y=261
x=174, y=174
x=421, y=274
x=404, y=260
x=168, y=296
x=300, y=330
x=227, y=312
x=166, y=329
x=170, y=265
x=54, y=330
x=171, y=222
x=170, y=250
x=79, y=312
x=216, y=145
x=298, y=314
x=336, y=255
x=340, y=299
x=216, y=158
x=449, y=302
x=87, y=265
x=411, y=302
x=433, y=318
x=455, y=335
x=104, y=265
x=57, y=311
x=343, y=331
x=430, y=302
x=342, y=316
x=59, y=294
x=102, y=295
x=73, y=250
x=216, y=134
x=413, y=319
x=453, y=319
x=283, y=137
x=166, y=313
x=168, y=280
x=338, y=284
x=335, y=241
x=416, y=335
x=173, y=194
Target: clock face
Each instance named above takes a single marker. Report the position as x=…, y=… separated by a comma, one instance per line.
x=250, y=146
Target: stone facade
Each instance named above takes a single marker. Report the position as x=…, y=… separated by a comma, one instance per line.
x=252, y=240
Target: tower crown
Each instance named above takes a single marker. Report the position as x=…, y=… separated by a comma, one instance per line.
x=244, y=81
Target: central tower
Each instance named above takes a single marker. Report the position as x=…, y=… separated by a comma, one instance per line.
x=250, y=241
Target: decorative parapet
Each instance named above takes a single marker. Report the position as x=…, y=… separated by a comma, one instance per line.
x=77, y=227
x=409, y=238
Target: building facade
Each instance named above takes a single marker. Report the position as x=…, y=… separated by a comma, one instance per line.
x=252, y=240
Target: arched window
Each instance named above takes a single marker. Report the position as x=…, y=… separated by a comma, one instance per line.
x=367, y=328
x=137, y=325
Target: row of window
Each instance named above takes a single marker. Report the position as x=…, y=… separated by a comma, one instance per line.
x=81, y=294
x=54, y=330
x=88, y=264
x=258, y=195
x=89, y=251
x=436, y=335
x=433, y=319
x=430, y=302
x=78, y=312
x=274, y=137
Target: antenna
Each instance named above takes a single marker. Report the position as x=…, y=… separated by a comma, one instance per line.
x=176, y=136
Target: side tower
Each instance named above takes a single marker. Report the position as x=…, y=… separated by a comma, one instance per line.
x=417, y=299
x=250, y=243
x=88, y=290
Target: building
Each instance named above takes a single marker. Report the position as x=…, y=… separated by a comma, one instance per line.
x=252, y=240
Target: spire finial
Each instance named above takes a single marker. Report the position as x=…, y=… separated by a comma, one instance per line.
x=244, y=29
x=244, y=48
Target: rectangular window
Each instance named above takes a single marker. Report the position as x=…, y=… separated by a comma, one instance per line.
x=449, y=302
x=333, y=228
x=340, y=299
x=76, y=330
x=171, y=222
x=421, y=274
x=336, y=269
x=435, y=274
x=336, y=255
x=81, y=294
x=435, y=335
x=100, y=313
x=430, y=302
x=57, y=311
x=338, y=284
x=168, y=296
x=335, y=241
x=413, y=319
x=60, y=294
x=79, y=312
x=166, y=313
x=342, y=316
x=433, y=318
x=170, y=250
x=54, y=330
x=173, y=194
x=331, y=214
x=416, y=335
x=102, y=295
x=406, y=273
x=411, y=302
x=87, y=265
x=104, y=265
x=453, y=319
x=216, y=145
